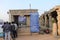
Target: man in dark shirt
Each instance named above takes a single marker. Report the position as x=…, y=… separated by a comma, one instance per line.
x=6, y=29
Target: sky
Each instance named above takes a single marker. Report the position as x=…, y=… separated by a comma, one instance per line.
x=41, y=5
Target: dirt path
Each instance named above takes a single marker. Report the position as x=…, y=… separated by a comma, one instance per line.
x=36, y=37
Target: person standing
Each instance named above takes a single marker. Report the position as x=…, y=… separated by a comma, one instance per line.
x=3, y=30
x=7, y=29
x=14, y=29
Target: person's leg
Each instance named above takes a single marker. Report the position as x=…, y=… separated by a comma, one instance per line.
x=16, y=34
x=8, y=35
x=13, y=33
x=5, y=36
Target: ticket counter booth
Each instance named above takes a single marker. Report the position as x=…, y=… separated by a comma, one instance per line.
x=15, y=15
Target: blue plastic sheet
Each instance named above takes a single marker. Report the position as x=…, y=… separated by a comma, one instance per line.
x=1, y=34
x=34, y=22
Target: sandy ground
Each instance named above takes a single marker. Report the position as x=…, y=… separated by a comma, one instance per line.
x=23, y=31
x=36, y=37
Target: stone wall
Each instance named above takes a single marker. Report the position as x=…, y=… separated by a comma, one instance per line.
x=22, y=12
x=57, y=9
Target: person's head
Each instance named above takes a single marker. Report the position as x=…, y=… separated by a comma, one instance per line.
x=12, y=22
x=9, y=22
x=4, y=22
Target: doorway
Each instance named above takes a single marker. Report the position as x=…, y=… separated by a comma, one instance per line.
x=16, y=18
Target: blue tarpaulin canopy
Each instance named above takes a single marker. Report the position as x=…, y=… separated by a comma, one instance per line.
x=34, y=22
